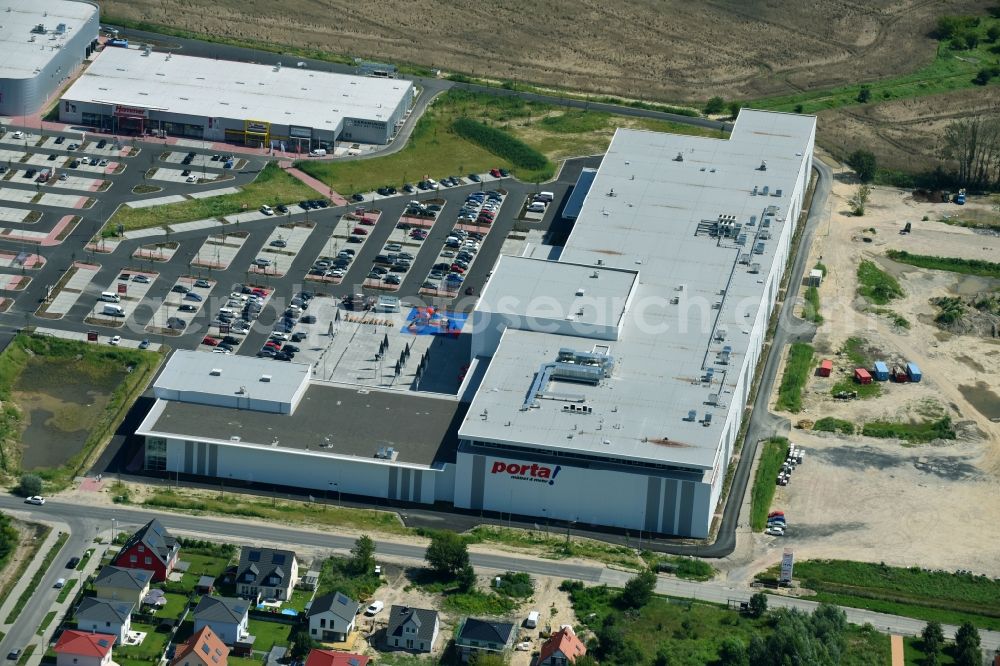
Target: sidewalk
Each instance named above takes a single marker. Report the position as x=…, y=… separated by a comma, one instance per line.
x=29, y=573
x=316, y=184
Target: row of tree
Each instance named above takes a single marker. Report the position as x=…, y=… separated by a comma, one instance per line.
x=973, y=143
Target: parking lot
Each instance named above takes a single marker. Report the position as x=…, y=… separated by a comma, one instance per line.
x=181, y=306
x=117, y=302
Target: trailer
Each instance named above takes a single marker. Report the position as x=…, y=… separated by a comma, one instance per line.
x=881, y=371
x=862, y=376
x=913, y=372
x=825, y=368
x=899, y=374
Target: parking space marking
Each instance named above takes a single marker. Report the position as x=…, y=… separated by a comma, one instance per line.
x=101, y=315
x=63, y=300
x=218, y=251
x=249, y=216
x=42, y=160
x=177, y=175
x=11, y=156
x=294, y=236
x=82, y=337
x=205, y=194
x=219, y=330
x=13, y=283
x=156, y=201
x=196, y=225
x=168, y=317
x=202, y=161
x=96, y=168
x=156, y=251
x=76, y=182
x=62, y=200
x=144, y=233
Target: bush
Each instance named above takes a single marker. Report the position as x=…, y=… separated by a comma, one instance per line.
x=797, y=367
x=500, y=143
x=715, y=105
x=864, y=164
x=915, y=433
x=516, y=584
x=954, y=264
x=831, y=424
x=771, y=457
x=447, y=553
x=865, y=94
x=31, y=484
x=876, y=285
x=638, y=590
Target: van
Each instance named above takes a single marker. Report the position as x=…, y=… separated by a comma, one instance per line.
x=536, y=207
x=110, y=297
x=61, y=582
x=547, y=197
x=226, y=312
x=318, y=152
x=532, y=620
x=113, y=310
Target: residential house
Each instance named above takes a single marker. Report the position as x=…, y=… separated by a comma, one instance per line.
x=562, y=648
x=331, y=617
x=122, y=584
x=266, y=573
x=227, y=617
x=483, y=636
x=81, y=648
x=105, y=616
x=334, y=658
x=151, y=548
x=414, y=629
x=204, y=648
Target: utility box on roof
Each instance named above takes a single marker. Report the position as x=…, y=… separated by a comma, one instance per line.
x=913, y=372
x=881, y=371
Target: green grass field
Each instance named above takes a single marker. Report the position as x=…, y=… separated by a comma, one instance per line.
x=272, y=186
x=876, y=285
x=149, y=651
x=951, y=264
x=268, y=634
x=795, y=376
x=771, y=457
x=831, y=424
x=810, y=309
x=914, y=433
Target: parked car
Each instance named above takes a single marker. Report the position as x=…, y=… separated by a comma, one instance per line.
x=141, y=279
x=267, y=210
x=374, y=608
x=357, y=196
x=37, y=500
x=202, y=284
x=73, y=561
x=144, y=344
x=191, y=296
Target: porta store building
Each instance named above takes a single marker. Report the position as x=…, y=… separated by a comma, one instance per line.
x=136, y=91
x=41, y=44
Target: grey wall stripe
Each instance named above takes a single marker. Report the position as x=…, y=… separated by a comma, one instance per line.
x=668, y=524
x=653, y=487
x=188, y=457
x=687, y=506
x=213, y=459
x=418, y=483
x=404, y=493
x=393, y=481
x=478, y=480
x=202, y=450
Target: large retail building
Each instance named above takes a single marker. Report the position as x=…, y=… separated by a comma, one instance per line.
x=134, y=91
x=612, y=381
x=41, y=43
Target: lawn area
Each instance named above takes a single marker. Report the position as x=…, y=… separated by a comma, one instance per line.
x=37, y=578
x=771, y=457
x=914, y=655
x=66, y=590
x=174, y=607
x=299, y=600
x=149, y=651
x=797, y=367
x=555, y=546
x=268, y=634
x=243, y=661
x=336, y=576
x=951, y=264
x=926, y=595
x=272, y=186
x=480, y=603
x=436, y=150
x=876, y=285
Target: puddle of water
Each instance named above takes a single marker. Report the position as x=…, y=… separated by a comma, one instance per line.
x=985, y=401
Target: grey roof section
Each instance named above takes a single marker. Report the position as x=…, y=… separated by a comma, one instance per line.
x=104, y=610
x=221, y=609
x=156, y=538
x=486, y=631
x=265, y=563
x=240, y=379
x=329, y=420
x=422, y=618
x=208, y=87
x=574, y=204
x=537, y=290
x=644, y=212
x=337, y=603
x=206, y=582
x=24, y=56
x=123, y=577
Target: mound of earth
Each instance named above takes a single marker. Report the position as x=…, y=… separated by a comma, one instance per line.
x=978, y=316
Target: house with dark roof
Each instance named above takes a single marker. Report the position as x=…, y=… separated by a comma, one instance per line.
x=561, y=649
x=267, y=573
x=122, y=584
x=477, y=636
x=414, y=629
x=335, y=658
x=105, y=616
x=227, y=617
x=151, y=548
x=204, y=648
x=331, y=617
x=80, y=648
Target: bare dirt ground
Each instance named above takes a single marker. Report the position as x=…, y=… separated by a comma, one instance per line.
x=860, y=498
x=639, y=48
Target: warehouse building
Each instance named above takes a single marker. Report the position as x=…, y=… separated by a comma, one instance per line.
x=611, y=383
x=136, y=91
x=42, y=42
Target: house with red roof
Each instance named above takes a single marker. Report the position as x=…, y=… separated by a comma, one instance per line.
x=81, y=648
x=204, y=648
x=151, y=548
x=335, y=658
x=562, y=648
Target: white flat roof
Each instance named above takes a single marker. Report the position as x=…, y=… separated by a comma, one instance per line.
x=644, y=212
x=539, y=289
x=194, y=372
x=22, y=57
x=228, y=89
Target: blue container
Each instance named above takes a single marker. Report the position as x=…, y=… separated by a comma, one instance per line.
x=914, y=372
x=881, y=371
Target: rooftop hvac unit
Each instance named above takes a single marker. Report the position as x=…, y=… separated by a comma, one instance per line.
x=709, y=373
x=765, y=235
x=679, y=158
x=753, y=221
x=763, y=167
x=265, y=378
x=754, y=193
x=234, y=438
x=720, y=334
x=713, y=399
x=744, y=259
x=707, y=420
x=386, y=453
x=777, y=193
x=758, y=248
x=61, y=29
x=765, y=190
x=755, y=268
x=216, y=372
x=741, y=239
x=766, y=222
x=578, y=409
x=692, y=416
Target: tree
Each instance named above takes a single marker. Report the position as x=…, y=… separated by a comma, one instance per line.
x=860, y=200
x=302, y=643
x=865, y=94
x=363, y=555
x=639, y=589
x=585, y=660
x=974, y=144
x=466, y=578
x=732, y=652
x=758, y=604
x=31, y=484
x=933, y=640
x=734, y=109
x=715, y=105
x=968, y=646
x=993, y=33
x=447, y=554
x=864, y=164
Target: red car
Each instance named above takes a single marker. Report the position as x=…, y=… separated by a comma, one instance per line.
x=210, y=341
x=455, y=268
x=367, y=222
x=259, y=292
x=273, y=345
x=359, y=231
x=495, y=173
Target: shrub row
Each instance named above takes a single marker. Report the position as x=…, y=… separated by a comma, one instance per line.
x=500, y=143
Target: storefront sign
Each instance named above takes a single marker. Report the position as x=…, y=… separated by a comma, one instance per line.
x=300, y=132
x=257, y=126
x=130, y=111
x=526, y=472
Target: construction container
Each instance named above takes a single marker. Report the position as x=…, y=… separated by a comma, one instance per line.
x=862, y=376
x=815, y=278
x=825, y=367
x=881, y=371
x=899, y=374
x=913, y=372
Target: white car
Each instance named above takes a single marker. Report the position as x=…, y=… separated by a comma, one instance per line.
x=375, y=608
x=192, y=179
x=84, y=160
x=115, y=340
x=35, y=499
x=262, y=262
x=18, y=135
x=337, y=273
x=774, y=531
x=267, y=210
x=279, y=335
x=219, y=350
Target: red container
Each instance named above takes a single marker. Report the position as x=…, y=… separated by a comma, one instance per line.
x=862, y=376
x=825, y=368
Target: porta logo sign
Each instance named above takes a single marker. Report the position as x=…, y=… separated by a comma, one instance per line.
x=525, y=472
